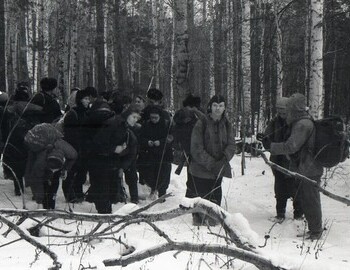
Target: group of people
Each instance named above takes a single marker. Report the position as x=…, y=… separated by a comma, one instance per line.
x=105, y=138
x=290, y=138
x=113, y=136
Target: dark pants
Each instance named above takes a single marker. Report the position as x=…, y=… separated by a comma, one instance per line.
x=311, y=204
x=50, y=189
x=76, y=177
x=131, y=180
x=158, y=177
x=286, y=187
x=106, y=187
x=209, y=189
x=14, y=170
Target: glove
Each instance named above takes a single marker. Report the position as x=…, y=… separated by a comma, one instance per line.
x=260, y=136
x=150, y=143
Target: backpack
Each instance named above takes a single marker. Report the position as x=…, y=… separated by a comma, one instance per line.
x=41, y=137
x=331, y=143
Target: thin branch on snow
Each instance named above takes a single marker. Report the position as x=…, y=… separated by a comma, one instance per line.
x=23, y=235
x=305, y=179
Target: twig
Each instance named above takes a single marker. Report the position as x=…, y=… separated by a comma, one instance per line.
x=304, y=179
x=23, y=235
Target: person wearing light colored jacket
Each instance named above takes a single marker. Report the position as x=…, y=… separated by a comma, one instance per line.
x=299, y=148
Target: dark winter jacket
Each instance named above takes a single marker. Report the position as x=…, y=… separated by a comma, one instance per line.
x=97, y=115
x=19, y=117
x=300, y=143
x=51, y=107
x=74, y=127
x=212, y=147
x=184, y=120
x=115, y=132
x=276, y=131
x=153, y=132
x=36, y=170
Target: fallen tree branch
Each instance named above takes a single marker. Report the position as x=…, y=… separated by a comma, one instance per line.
x=248, y=256
x=305, y=179
x=23, y=235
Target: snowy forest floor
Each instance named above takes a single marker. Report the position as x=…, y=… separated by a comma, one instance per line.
x=251, y=195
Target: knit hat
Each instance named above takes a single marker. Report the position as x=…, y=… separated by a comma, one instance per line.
x=281, y=103
x=48, y=84
x=296, y=103
x=80, y=94
x=55, y=159
x=154, y=94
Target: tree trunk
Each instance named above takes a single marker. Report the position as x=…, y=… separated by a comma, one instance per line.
x=316, y=96
x=117, y=51
x=180, y=51
x=279, y=90
x=23, y=74
x=100, y=46
x=246, y=69
x=3, y=75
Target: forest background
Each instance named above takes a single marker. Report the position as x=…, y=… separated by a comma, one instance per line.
x=250, y=51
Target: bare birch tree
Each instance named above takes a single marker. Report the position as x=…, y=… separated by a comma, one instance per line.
x=180, y=51
x=316, y=90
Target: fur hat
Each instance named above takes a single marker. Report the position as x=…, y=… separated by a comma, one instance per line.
x=80, y=94
x=48, y=84
x=154, y=94
x=217, y=99
x=55, y=159
x=192, y=101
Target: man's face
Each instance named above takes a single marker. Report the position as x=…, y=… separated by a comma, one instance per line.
x=154, y=102
x=154, y=117
x=140, y=104
x=217, y=109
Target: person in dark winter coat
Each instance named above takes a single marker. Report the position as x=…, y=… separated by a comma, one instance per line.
x=156, y=152
x=46, y=98
x=285, y=186
x=115, y=150
x=184, y=120
x=97, y=115
x=19, y=117
x=298, y=147
x=40, y=170
x=212, y=147
x=74, y=130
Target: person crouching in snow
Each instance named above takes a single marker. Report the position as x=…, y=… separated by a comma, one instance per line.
x=212, y=147
x=40, y=170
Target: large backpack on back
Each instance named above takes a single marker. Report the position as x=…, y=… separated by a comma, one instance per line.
x=41, y=137
x=331, y=143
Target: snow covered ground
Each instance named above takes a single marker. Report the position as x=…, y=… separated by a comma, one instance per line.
x=250, y=195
